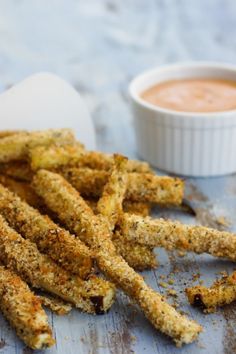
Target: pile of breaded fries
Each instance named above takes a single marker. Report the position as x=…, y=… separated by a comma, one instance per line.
x=66, y=212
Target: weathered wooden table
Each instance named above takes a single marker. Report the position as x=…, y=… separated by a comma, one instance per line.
x=99, y=46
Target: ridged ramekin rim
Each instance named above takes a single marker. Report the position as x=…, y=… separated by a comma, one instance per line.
x=220, y=115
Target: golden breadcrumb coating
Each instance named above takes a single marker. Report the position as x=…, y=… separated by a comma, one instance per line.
x=68, y=251
x=221, y=293
x=19, y=170
x=22, y=256
x=16, y=147
x=55, y=304
x=4, y=133
x=110, y=205
x=23, y=190
x=138, y=208
x=54, y=156
x=76, y=214
x=142, y=187
x=24, y=311
x=101, y=161
x=139, y=257
x=27, y=193
x=174, y=235
x=161, y=190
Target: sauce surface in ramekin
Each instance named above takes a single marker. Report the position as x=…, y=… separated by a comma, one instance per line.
x=193, y=95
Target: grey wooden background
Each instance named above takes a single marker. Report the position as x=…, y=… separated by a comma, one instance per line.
x=99, y=46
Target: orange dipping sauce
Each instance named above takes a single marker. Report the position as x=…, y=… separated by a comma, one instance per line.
x=193, y=95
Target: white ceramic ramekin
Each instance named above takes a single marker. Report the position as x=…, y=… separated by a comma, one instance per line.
x=191, y=144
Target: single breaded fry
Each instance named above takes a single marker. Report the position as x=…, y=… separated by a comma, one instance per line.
x=174, y=235
x=4, y=133
x=22, y=256
x=221, y=293
x=141, y=187
x=111, y=201
x=137, y=256
x=110, y=207
x=16, y=147
x=150, y=188
x=53, y=157
x=63, y=199
x=138, y=208
x=68, y=251
x=55, y=304
x=19, y=170
x=24, y=311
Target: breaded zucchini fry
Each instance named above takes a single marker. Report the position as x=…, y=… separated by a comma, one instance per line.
x=137, y=256
x=174, y=235
x=221, y=293
x=19, y=170
x=57, y=156
x=141, y=187
x=22, y=256
x=24, y=311
x=16, y=147
x=110, y=203
x=76, y=214
x=55, y=304
x=110, y=207
x=150, y=188
x=68, y=251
